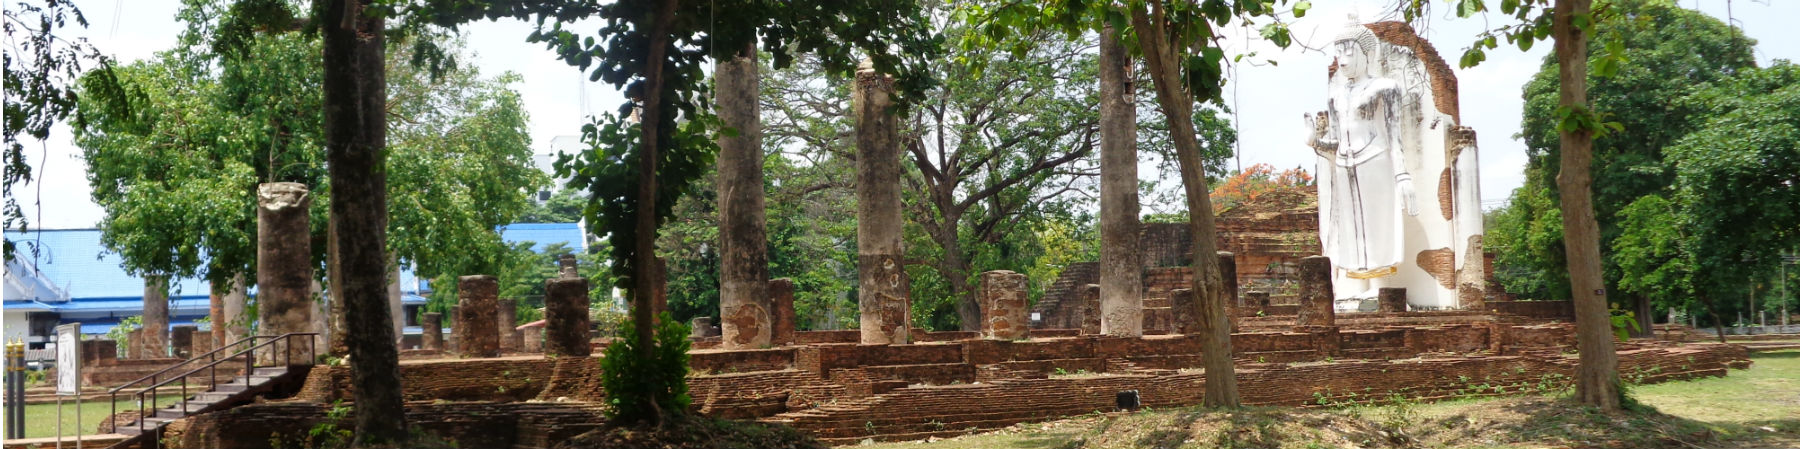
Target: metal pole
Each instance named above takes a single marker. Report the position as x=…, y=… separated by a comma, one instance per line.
x=59, y=421
x=77, y=420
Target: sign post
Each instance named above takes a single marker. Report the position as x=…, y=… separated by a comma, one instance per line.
x=68, y=375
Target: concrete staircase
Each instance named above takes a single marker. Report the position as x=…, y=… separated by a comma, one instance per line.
x=240, y=390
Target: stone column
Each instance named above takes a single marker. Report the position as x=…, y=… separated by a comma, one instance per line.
x=883, y=292
x=236, y=324
x=156, y=316
x=284, y=277
x=700, y=327
x=432, y=331
x=1183, y=307
x=1228, y=278
x=1121, y=264
x=215, y=311
x=1392, y=299
x=534, y=339
x=1004, y=305
x=782, y=319
x=566, y=317
x=181, y=340
x=134, y=344
x=505, y=319
x=1256, y=299
x=745, y=311
x=455, y=320
x=396, y=306
x=475, y=333
x=1316, y=302
x=1089, y=296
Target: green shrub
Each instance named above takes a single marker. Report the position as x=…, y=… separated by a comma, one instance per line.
x=638, y=389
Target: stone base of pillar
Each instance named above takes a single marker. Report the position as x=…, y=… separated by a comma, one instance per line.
x=1004, y=305
x=782, y=320
x=475, y=329
x=1392, y=299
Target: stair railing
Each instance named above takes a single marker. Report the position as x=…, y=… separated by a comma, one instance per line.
x=250, y=366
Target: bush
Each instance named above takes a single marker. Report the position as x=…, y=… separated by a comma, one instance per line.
x=647, y=390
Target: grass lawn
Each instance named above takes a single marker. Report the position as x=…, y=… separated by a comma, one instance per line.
x=1755, y=408
x=40, y=419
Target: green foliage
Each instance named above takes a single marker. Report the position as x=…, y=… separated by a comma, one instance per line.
x=1662, y=53
x=639, y=389
x=178, y=169
x=564, y=206
x=1738, y=177
x=121, y=334
x=41, y=70
x=1624, y=323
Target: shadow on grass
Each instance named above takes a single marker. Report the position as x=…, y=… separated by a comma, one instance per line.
x=1565, y=423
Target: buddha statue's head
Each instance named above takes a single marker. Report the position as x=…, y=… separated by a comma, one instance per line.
x=1356, y=47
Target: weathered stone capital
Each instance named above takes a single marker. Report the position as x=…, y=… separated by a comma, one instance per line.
x=282, y=195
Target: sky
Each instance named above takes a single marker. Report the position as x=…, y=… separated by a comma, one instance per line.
x=1268, y=99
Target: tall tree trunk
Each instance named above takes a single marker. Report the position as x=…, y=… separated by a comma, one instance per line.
x=1645, y=317
x=156, y=316
x=644, y=285
x=1596, y=377
x=1718, y=318
x=882, y=292
x=1178, y=106
x=744, y=303
x=1121, y=266
x=955, y=269
x=355, y=141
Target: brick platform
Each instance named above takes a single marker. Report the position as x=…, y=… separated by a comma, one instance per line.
x=845, y=392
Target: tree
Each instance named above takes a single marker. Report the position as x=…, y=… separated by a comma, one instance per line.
x=655, y=50
x=1162, y=31
x=1665, y=51
x=564, y=206
x=1569, y=23
x=1738, y=180
x=41, y=69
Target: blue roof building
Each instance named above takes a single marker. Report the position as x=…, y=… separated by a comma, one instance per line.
x=73, y=278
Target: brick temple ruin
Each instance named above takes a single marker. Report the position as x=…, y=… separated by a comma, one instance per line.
x=491, y=384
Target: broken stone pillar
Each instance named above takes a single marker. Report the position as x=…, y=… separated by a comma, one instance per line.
x=432, y=331
x=215, y=311
x=745, y=309
x=134, y=344
x=700, y=327
x=236, y=324
x=1256, y=299
x=396, y=307
x=1089, y=296
x=475, y=331
x=284, y=280
x=1316, y=302
x=181, y=340
x=1228, y=279
x=1004, y=306
x=156, y=316
x=566, y=317
x=782, y=319
x=566, y=266
x=884, y=298
x=1121, y=261
x=455, y=319
x=1183, y=305
x=1391, y=299
x=534, y=339
x=505, y=318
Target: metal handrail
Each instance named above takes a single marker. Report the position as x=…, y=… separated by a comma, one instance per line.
x=208, y=354
x=250, y=367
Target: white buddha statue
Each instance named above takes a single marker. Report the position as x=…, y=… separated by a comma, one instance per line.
x=1366, y=186
x=1391, y=114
